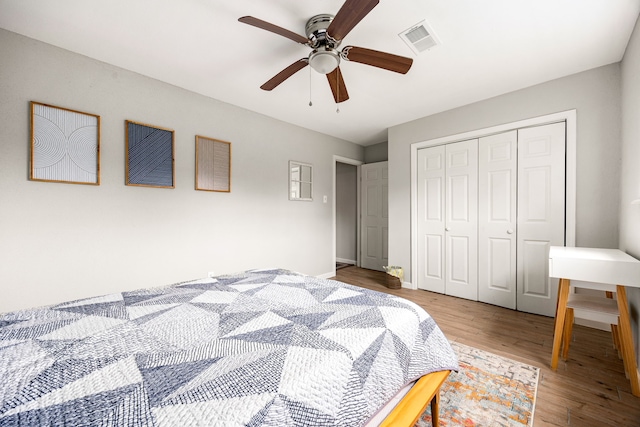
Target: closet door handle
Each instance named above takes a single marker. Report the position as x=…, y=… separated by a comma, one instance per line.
x=447, y=229
x=509, y=231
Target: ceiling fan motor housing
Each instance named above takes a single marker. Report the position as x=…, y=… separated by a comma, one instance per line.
x=324, y=58
x=316, y=31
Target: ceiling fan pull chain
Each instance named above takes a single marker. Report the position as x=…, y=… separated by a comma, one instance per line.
x=310, y=78
x=338, y=91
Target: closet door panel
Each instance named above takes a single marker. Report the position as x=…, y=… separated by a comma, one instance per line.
x=497, y=179
x=541, y=208
x=434, y=260
x=431, y=183
x=499, y=271
x=458, y=206
x=458, y=252
x=535, y=281
x=461, y=219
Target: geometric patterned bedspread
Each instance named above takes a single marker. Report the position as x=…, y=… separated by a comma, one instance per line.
x=261, y=348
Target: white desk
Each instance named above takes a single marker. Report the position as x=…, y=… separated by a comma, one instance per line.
x=608, y=270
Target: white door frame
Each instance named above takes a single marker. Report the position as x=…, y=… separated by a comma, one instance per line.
x=569, y=116
x=357, y=164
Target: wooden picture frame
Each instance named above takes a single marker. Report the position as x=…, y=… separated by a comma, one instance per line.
x=150, y=155
x=213, y=164
x=65, y=145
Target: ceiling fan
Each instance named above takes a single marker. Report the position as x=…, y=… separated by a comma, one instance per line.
x=324, y=33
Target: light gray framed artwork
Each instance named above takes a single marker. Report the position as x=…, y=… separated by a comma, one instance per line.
x=300, y=181
x=150, y=156
x=65, y=145
x=213, y=164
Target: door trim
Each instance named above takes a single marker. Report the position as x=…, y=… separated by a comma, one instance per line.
x=569, y=116
x=357, y=164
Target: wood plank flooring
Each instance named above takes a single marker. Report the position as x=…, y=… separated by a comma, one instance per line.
x=589, y=389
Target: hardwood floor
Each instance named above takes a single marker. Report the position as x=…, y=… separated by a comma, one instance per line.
x=589, y=389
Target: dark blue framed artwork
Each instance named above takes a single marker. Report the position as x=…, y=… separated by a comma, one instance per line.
x=150, y=156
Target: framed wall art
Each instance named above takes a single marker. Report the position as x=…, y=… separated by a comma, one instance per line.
x=150, y=156
x=213, y=164
x=65, y=145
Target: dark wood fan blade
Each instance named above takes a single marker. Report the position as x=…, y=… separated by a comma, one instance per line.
x=351, y=12
x=285, y=74
x=338, y=87
x=274, y=29
x=375, y=58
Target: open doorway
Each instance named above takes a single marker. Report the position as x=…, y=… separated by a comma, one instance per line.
x=346, y=215
x=346, y=212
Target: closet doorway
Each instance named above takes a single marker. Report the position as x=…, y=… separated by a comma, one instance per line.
x=487, y=206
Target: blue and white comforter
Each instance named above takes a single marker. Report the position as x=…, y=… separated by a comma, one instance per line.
x=262, y=348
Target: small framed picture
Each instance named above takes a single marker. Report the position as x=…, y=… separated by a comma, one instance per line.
x=150, y=156
x=213, y=164
x=65, y=145
x=300, y=181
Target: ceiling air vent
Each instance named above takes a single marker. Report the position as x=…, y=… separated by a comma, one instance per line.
x=419, y=37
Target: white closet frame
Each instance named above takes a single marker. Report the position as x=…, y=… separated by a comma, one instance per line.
x=569, y=117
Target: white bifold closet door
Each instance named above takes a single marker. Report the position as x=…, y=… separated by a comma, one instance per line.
x=430, y=224
x=448, y=219
x=497, y=219
x=541, y=214
x=488, y=210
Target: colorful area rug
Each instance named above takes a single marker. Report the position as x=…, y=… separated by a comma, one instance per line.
x=489, y=390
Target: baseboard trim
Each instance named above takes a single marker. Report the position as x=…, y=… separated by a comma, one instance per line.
x=409, y=285
x=346, y=261
x=327, y=275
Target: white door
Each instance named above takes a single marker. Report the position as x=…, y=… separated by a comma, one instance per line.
x=541, y=214
x=461, y=219
x=497, y=178
x=431, y=183
x=375, y=216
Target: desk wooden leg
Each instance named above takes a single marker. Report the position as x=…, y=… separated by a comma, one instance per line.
x=561, y=310
x=626, y=340
x=568, y=329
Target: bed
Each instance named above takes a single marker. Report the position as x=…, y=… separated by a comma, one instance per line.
x=258, y=348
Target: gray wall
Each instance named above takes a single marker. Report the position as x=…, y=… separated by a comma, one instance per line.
x=630, y=180
x=346, y=212
x=63, y=241
x=376, y=153
x=595, y=94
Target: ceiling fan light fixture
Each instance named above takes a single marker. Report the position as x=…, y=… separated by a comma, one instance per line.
x=324, y=60
x=324, y=34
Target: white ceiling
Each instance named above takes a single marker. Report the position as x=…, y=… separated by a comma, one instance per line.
x=488, y=47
